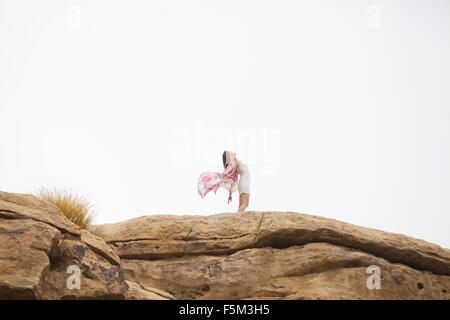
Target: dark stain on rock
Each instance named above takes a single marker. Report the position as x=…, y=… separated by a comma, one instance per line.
x=12, y=233
x=121, y=276
x=80, y=251
x=214, y=270
x=88, y=274
x=107, y=274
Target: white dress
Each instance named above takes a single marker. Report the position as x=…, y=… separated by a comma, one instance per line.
x=244, y=178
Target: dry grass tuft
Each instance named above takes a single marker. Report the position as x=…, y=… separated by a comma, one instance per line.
x=76, y=208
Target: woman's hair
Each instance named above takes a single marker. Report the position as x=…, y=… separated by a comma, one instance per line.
x=224, y=159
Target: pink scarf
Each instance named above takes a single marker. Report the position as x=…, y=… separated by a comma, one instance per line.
x=211, y=181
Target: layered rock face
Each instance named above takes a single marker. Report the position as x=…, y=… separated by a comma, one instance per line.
x=252, y=255
x=45, y=256
x=276, y=255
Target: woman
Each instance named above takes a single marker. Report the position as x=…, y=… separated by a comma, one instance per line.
x=228, y=179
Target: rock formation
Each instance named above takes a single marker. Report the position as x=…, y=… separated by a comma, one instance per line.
x=275, y=255
x=252, y=255
x=38, y=246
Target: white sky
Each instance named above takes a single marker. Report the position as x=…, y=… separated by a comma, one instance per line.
x=340, y=109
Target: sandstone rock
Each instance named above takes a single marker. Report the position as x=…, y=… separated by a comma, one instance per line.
x=275, y=255
x=25, y=246
x=25, y=206
x=138, y=291
x=312, y=271
x=38, y=246
x=253, y=255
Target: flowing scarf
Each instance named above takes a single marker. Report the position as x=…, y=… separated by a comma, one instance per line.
x=211, y=181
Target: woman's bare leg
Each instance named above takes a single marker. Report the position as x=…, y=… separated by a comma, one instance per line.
x=244, y=199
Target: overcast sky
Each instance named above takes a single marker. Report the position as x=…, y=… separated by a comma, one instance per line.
x=340, y=109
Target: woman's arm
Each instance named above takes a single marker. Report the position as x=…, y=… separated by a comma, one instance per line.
x=230, y=198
